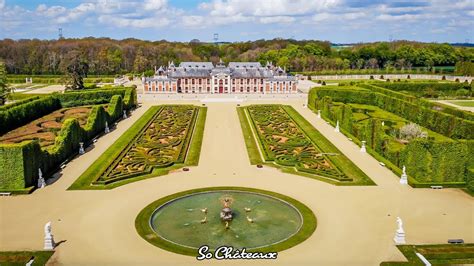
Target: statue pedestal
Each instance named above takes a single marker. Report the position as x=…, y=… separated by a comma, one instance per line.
x=41, y=182
x=404, y=179
x=49, y=242
x=399, y=237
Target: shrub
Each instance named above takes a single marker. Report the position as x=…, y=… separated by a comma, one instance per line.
x=412, y=131
x=462, y=93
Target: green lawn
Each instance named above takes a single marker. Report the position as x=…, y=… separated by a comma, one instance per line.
x=253, y=142
x=463, y=103
x=442, y=254
x=113, y=152
x=14, y=258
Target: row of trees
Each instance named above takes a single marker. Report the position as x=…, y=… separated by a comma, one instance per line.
x=107, y=56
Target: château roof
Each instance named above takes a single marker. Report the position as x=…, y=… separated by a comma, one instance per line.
x=234, y=69
x=244, y=65
x=200, y=65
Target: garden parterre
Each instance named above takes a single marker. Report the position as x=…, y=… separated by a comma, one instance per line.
x=166, y=137
x=288, y=141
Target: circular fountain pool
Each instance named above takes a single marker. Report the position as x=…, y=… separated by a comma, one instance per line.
x=261, y=220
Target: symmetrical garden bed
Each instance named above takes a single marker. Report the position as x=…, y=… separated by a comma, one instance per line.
x=288, y=141
x=443, y=156
x=166, y=137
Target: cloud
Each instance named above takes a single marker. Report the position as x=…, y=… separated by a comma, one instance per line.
x=241, y=17
x=277, y=19
x=264, y=8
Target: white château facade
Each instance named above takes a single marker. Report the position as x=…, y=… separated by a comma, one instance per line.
x=204, y=77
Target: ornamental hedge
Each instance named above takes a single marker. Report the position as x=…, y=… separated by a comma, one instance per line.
x=19, y=163
x=420, y=101
x=435, y=160
x=437, y=121
x=25, y=111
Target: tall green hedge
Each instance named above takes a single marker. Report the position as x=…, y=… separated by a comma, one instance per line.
x=19, y=115
x=19, y=163
x=427, y=161
x=420, y=101
x=437, y=121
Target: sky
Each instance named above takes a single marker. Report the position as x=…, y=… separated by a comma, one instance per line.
x=338, y=21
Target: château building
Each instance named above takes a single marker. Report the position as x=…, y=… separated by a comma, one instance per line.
x=204, y=77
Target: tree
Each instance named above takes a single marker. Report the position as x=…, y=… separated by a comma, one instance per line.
x=412, y=131
x=4, y=89
x=76, y=72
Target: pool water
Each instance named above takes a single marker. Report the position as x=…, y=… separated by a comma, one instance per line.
x=179, y=221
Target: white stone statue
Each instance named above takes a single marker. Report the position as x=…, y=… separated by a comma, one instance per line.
x=48, y=237
x=404, y=177
x=337, y=126
x=41, y=181
x=400, y=233
x=383, y=123
x=81, y=148
x=319, y=113
x=107, y=130
x=125, y=114
x=362, y=148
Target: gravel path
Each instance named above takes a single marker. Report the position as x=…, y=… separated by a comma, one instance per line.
x=355, y=224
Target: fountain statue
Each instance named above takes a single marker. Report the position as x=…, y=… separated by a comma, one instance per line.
x=226, y=213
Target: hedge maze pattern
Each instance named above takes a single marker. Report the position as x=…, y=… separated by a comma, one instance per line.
x=286, y=144
x=376, y=115
x=161, y=143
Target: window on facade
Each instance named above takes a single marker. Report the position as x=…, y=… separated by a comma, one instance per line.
x=192, y=81
x=226, y=82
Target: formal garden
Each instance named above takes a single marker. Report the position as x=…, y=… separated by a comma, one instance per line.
x=434, y=141
x=166, y=137
x=276, y=135
x=42, y=133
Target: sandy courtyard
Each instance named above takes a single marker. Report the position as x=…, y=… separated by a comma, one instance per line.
x=356, y=225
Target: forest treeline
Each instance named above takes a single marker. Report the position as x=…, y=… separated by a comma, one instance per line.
x=108, y=56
